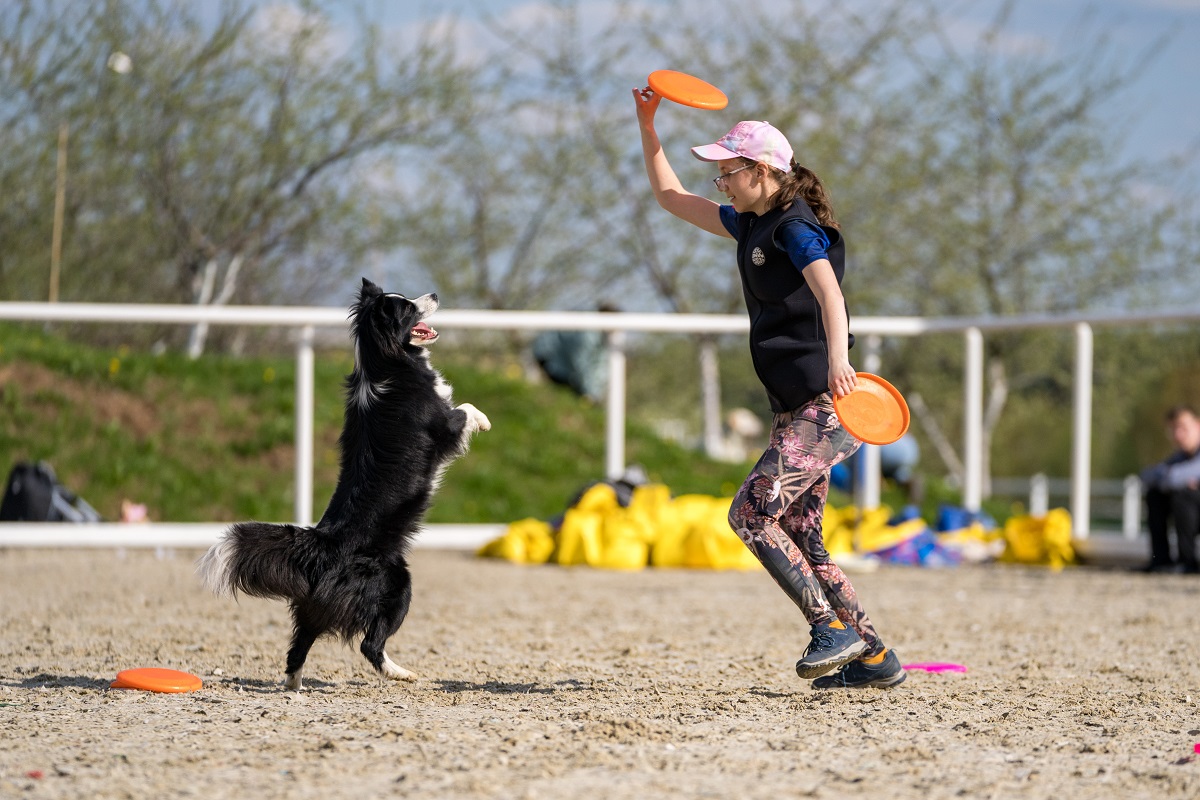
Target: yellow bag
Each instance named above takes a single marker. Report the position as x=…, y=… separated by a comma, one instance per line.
x=1040, y=540
x=724, y=548
x=510, y=546
x=624, y=541
x=651, y=505
x=579, y=538
x=527, y=541
x=600, y=498
x=837, y=530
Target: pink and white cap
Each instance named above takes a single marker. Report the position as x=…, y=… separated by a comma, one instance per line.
x=757, y=141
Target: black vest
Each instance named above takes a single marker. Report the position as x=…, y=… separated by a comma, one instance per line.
x=787, y=337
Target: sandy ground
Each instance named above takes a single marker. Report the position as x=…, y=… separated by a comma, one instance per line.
x=552, y=682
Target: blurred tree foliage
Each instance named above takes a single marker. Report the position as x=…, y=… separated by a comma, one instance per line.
x=266, y=153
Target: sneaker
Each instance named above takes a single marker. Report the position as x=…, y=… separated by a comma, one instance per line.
x=859, y=674
x=1162, y=567
x=832, y=645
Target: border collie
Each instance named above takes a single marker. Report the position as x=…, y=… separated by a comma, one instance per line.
x=348, y=575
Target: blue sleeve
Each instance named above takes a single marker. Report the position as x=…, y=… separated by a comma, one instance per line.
x=802, y=241
x=729, y=220
x=1183, y=473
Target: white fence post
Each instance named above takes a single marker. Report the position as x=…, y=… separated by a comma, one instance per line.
x=1039, y=495
x=973, y=422
x=614, y=419
x=1081, y=434
x=304, y=427
x=1131, y=507
x=869, y=489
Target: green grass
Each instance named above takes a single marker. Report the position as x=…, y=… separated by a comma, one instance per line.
x=212, y=439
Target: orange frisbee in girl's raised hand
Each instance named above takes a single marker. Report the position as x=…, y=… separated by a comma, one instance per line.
x=155, y=679
x=875, y=412
x=687, y=89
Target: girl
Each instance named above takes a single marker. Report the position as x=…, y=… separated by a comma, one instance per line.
x=791, y=258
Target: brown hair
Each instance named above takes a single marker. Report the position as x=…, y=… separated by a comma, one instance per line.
x=1175, y=412
x=803, y=183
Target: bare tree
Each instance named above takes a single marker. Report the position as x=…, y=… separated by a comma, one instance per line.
x=1014, y=202
x=239, y=153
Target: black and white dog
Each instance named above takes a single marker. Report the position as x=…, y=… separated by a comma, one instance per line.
x=348, y=574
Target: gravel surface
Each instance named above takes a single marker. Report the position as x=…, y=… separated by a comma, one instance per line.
x=543, y=682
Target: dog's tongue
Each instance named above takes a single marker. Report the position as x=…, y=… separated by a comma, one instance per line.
x=423, y=330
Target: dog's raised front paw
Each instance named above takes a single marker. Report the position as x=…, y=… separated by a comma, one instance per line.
x=476, y=418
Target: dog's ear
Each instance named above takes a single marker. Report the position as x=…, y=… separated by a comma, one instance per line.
x=369, y=289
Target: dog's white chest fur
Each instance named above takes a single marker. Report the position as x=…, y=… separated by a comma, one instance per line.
x=440, y=385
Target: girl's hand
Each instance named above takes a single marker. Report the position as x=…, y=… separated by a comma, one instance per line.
x=842, y=379
x=647, y=104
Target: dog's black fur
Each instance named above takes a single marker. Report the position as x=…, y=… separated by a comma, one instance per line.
x=349, y=575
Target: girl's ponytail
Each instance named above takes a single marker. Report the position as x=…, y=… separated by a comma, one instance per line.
x=804, y=184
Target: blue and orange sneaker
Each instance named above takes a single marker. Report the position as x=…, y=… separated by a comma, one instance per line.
x=832, y=645
x=860, y=674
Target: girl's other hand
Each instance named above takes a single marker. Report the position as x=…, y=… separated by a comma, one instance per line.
x=842, y=379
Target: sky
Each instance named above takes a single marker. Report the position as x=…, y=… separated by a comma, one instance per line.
x=1165, y=103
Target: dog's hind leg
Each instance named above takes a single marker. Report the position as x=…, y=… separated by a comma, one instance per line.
x=390, y=618
x=302, y=641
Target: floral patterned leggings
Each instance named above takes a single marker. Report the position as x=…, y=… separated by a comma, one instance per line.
x=778, y=513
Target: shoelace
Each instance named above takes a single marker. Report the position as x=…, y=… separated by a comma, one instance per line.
x=821, y=638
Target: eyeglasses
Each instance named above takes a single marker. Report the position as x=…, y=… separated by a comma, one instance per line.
x=719, y=181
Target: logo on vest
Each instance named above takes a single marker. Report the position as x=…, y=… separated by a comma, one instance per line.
x=758, y=257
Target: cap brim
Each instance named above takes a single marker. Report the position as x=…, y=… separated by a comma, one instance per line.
x=714, y=152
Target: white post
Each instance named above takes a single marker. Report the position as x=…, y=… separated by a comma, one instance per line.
x=1039, y=495
x=614, y=417
x=1131, y=507
x=710, y=397
x=973, y=422
x=869, y=489
x=304, y=427
x=1081, y=434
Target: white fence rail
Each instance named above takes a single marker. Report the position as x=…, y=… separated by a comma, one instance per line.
x=1119, y=498
x=304, y=320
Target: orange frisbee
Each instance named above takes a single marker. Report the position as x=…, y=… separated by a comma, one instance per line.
x=875, y=412
x=687, y=89
x=155, y=679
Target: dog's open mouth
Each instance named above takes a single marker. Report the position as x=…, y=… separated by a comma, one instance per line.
x=423, y=333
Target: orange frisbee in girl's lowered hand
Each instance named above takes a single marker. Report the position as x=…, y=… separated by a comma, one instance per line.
x=687, y=89
x=155, y=679
x=875, y=412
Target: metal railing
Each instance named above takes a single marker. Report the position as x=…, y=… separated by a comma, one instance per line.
x=1115, y=498
x=305, y=319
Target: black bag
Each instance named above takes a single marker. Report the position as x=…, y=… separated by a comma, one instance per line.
x=34, y=494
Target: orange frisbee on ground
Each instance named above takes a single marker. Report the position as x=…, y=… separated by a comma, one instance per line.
x=155, y=679
x=687, y=89
x=875, y=412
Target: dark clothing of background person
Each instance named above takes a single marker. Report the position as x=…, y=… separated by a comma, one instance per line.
x=1172, y=492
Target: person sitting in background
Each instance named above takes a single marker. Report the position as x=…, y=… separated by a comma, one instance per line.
x=1172, y=492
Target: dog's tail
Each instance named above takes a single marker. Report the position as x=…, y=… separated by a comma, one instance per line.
x=260, y=559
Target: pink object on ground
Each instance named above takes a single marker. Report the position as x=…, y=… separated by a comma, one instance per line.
x=1196, y=747
x=937, y=667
